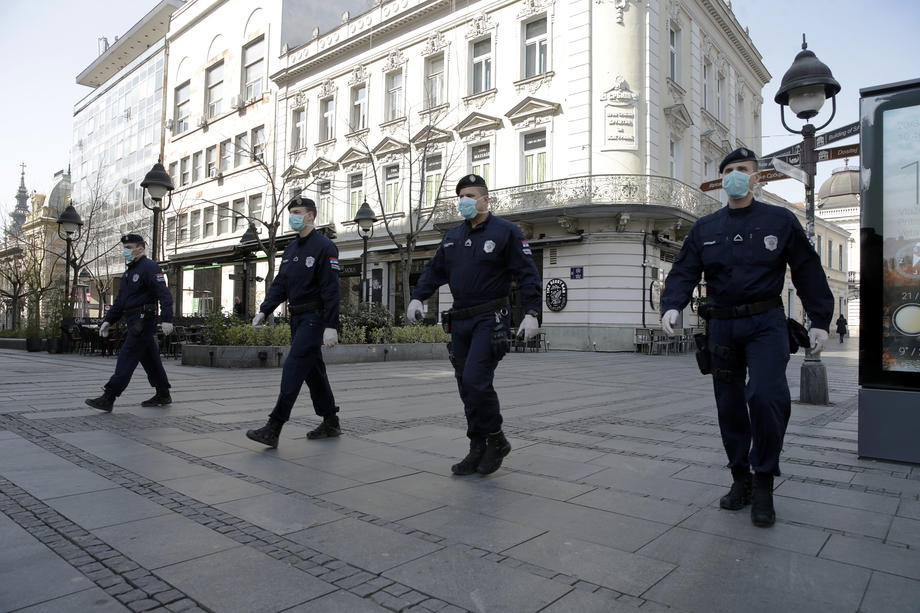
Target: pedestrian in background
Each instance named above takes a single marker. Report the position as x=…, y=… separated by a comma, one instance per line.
x=841, y=326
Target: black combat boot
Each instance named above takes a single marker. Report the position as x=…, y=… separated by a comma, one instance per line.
x=469, y=464
x=161, y=398
x=328, y=429
x=105, y=402
x=762, y=513
x=267, y=434
x=740, y=495
x=497, y=447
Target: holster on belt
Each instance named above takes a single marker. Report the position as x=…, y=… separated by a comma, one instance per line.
x=445, y=320
x=703, y=357
x=314, y=306
x=147, y=314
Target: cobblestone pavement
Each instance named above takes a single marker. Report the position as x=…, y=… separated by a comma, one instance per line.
x=609, y=501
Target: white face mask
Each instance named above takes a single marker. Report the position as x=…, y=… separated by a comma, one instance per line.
x=129, y=255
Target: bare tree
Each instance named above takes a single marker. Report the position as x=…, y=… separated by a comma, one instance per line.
x=14, y=280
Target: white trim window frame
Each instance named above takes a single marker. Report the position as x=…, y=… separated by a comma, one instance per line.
x=253, y=76
x=240, y=149
x=210, y=161
x=324, y=201
x=224, y=217
x=391, y=187
x=480, y=161
x=224, y=156
x=239, y=215
x=214, y=83
x=208, y=226
x=255, y=206
x=359, y=107
x=395, y=95
x=674, y=42
x=433, y=172
x=258, y=143
x=327, y=119
x=183, y=107
x=197, y=168
x=481, y=52
x=355, y=193
x=535, y=47
x=721, y=88
x=675, y=161
x=299, y=128
x=184, y=170
x=534, y=158
x=707, y=86
x=434, y=80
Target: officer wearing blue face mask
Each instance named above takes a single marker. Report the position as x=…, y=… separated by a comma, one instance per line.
x=743, y=251
x=309, y=280
x=478, y=259
x=142, y=285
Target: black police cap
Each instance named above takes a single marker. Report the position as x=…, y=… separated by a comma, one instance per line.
x=132, y=238
x=471, y=181
x=741, y=154
x=301, y=201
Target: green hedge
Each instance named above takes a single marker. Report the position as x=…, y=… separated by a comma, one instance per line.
x=12, y=333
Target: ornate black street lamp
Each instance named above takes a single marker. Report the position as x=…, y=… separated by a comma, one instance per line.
x=157, y=183
x=70, y=226
x=365, y=219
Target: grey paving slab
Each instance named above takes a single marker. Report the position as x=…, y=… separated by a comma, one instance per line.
x=477, y=584
x=838, y=496
x=820, y=515
x=737, y=525
x=166, y=435
x=205, y=447
x=715, y=574
x=279, y=513
x=640, y=467
x=549, y=466
x=267, y=466
x=561, y=452
x=639, y=432
x=547, y=487
x=364, y=545
x=163, y=540
x=890, y=594
x=909, y=508
x=634, y=505
x=44, y=474
x=106, y=508
x=816, y=472
x=408, y=434
x=381, y=501
x=581, y=601
x=701, y=474
x=338, y=602
x=661, y=487
x=465, y=526
x=472, y=493
x=873, y=555
x=245, y=581
x=618, y=570
x=92, y=599
x=903, y=486
x=215, y=488
x=355, y=467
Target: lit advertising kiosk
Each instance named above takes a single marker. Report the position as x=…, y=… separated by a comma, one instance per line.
x=889, y=343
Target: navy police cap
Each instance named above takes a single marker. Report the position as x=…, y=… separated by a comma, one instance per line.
x=742, y=154
x=132, y=238
x=471, y=181
x=301, y=201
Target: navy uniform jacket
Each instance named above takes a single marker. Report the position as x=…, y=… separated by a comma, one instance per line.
x=479, y=263
x=309, y=272
x=743, y=254
x=143, y=283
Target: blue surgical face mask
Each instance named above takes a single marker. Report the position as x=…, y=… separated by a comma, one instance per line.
x=296, y=222
x=736, y=184
x=129, y=255
x=468, y=207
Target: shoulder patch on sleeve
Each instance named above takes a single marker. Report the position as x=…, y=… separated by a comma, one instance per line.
x=525, y=247
x=159, y=278
x=334, y=264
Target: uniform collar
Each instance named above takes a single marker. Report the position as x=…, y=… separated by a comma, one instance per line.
x=302, y=240
x=481, y=226
x=137, y=261
x=744, y=210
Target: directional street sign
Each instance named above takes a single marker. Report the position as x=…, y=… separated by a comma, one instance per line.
x=839, y=134
x=765, y=175
x=790, y=171
x=835, y=153
x=820, y=141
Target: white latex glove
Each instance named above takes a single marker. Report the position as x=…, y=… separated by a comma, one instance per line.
x=167, y=328
x=104, y=329
x=330, y=337
x=529, y=327
x=414, y=311
x=668, y=320
x=818, y=337
x=258, y=319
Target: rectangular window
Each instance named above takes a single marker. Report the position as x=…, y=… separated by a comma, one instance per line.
x=432, y=180
x=327, y=119
x=298, y=129
x=535, y=48
x=355, y=194
x=255, y=206
x=240, y=150
x=258, y=142
x=742, y=120
x=434, y=81
x=182, y=108
x=183, y=228
x=197, y=168
x=174, y=173
x=223, y=218
x=210, y=160
x=195, y=226
x=720, y=97
x=673, y=53
x=184, y=171
x=391, y=175
x=225, y=156
x=818, y=245
x=208, y=222
x=239, y=215
x=170, y=231
x=394, y=95
x=674, y=159
x=830, y=253
x=481, y=161
x=840, y=257
x=707, y=74
x=253, y=69
x=214, y=82
x=324, y=201
x=707, y=169
x=482, y=66
x=359, y=107
x=535, y=157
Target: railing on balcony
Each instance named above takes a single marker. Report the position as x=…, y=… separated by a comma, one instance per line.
x=853, y=276
x=591, y=190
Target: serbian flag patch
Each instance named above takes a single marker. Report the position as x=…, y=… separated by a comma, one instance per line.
x=334, y=264
x=160, y=278
x=525, y=247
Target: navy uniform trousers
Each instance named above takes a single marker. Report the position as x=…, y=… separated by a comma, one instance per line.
x=304, y=364
x=138, y=348
x=474, y=366
x=759, y=410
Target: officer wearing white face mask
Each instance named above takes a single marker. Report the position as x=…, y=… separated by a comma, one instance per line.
x=743, y=251
x=309, y=280
x=478, y=259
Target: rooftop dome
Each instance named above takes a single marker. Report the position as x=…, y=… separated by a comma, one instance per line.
x=842, y=189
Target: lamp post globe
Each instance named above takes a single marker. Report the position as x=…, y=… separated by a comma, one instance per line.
x=806, y=85
x=365, y=219
x=157, y=183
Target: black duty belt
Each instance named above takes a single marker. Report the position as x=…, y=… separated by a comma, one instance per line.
x=144, y=308
x=307, y=307
x=479, y=309
x=742, y=310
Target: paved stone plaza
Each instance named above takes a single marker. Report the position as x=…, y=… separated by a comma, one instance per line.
x=608, y=503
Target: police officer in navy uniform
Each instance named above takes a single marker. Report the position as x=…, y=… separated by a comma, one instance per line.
x=309, y=280
x=142, y=286
x=743, y=251
x=478, y=259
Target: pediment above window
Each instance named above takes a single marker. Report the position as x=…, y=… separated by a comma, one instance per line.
x=531, y=107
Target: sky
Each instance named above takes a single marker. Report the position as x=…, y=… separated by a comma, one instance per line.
x=48, y=42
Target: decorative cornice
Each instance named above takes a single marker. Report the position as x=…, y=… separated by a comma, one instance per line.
x=677, y=92
x=533, y=84
x=620, y=93
x=481, y=99
x=481, y=25
x=358, y=75
x=326, y=89
x=395, y=60
x=532, y=7
x=435, y=43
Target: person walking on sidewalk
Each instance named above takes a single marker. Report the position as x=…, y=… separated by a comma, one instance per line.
x=309, y=280
x=743, y=249
x=842, y=326
x=141, y=287
x=478, y=259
